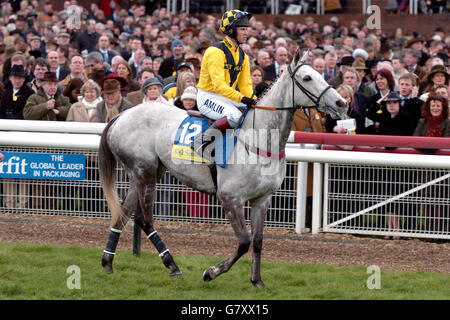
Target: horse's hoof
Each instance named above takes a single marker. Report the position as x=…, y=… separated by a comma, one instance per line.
x=207, y=275
x=107, y=260
x=258, y=284
x=177, y=274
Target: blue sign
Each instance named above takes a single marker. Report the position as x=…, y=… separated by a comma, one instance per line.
x=50, y=166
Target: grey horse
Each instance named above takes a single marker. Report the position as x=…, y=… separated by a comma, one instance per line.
x=140, y=139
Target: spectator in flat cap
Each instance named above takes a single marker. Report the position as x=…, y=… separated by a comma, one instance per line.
x=35, y=47
x=48, y=103
x=113, y=102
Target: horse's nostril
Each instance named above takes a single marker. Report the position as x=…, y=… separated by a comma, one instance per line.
x=340, y=103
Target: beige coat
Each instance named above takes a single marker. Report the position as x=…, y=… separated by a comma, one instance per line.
x=79, y=113
x=135, y=97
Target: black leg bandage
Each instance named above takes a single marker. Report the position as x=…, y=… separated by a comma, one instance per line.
x=158, y=243
x=113, y=239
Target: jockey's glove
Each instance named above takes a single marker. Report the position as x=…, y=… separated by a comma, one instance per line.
x=248, y=101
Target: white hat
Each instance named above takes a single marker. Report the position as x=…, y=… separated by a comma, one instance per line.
x=361, y=52
x=189, y=93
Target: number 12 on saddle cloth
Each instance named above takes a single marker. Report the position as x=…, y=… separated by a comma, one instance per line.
x=193, y=126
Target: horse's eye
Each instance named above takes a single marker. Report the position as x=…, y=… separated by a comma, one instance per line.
x=307, y=78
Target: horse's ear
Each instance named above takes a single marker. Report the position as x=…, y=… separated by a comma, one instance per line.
x=296, y=57
x=305, y=57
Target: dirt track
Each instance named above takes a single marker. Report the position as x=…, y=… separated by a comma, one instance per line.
x=210, y=239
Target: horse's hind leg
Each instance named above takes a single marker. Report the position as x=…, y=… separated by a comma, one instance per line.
x=234, y=211
x=129, y=206
x=258, y=213
x=147, y=194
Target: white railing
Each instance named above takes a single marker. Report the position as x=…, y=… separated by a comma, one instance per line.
x=288, y=208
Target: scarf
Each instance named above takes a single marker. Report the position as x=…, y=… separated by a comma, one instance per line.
x=434, y=130
x=160, y=98
x=91, y=106
x=112, y=111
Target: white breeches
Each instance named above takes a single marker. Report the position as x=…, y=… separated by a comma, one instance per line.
x=215, y=106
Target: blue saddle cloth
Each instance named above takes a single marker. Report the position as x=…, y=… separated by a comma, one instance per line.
x=190, y=128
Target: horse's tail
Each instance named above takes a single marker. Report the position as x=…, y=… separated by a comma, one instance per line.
x=107, y=170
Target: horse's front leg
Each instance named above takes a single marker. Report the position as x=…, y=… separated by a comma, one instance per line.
x=233, y=208
x=258, y=214
x=129, y=206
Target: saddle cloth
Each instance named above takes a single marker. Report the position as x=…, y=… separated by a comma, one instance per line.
x=193, y=126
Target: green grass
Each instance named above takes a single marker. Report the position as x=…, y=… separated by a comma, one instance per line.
x=29, y=271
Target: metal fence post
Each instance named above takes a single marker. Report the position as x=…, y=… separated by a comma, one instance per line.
x=302, y=184
x=317, y=198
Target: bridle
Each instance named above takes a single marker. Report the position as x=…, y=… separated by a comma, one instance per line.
x=315, y=99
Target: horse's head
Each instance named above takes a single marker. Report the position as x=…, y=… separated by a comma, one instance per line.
x=310, y=89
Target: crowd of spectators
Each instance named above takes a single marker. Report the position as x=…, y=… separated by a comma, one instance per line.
x=89, y=64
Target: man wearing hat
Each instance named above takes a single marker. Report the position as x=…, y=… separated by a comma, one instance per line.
x=15, y=95
x=170, y=83
x=48, y=103
x=113, y=102
x=35, y=47
x=62, y=39
x=360, y=67
x=337, y=80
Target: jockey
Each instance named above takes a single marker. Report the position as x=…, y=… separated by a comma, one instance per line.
x=225, y=81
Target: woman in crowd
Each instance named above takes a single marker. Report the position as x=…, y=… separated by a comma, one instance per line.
x=189, y=99
x=124, y=71
x=85, y=109
x=347, y=93
x=437, y=76
x=72, y=91
x=152, y=90
x=184, y=80
x=257, y=75
x=384, y=84
x=435, y=123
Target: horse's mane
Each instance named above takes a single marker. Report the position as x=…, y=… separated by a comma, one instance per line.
x=264, y=93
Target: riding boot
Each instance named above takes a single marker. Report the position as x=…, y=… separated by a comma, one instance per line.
x=201, y=142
